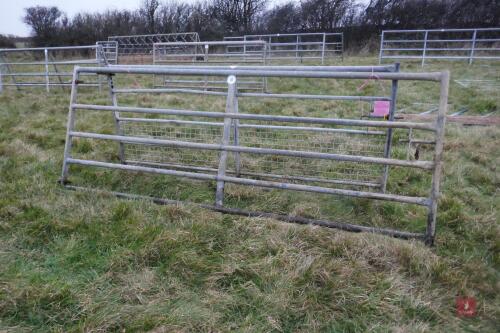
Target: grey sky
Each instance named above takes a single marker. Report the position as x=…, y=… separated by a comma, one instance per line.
x=11, y=11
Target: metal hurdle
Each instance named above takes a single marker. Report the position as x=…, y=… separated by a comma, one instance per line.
x=209, y=53
x=244, y=148
x=440, y=44
x=40, y=65
x=142, y=45
x=299, y=46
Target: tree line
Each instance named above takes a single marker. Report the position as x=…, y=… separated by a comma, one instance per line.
x=213, y=19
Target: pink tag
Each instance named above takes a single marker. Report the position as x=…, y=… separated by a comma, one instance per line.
x=381, y=109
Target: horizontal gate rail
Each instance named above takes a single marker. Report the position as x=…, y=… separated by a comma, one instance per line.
x=298, y=46
x=340, y=156
x=42, y=64
x=440, y=44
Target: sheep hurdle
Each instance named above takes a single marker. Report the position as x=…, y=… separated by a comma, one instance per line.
x=37, y=67
x=299, y=46
x=139, y=48
x=209, y=53
x=231, y=146
x=440, y=44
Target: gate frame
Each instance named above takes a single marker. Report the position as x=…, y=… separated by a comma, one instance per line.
x=338, y=50
x=100, y=59
x=231, y=114
x=473, y=41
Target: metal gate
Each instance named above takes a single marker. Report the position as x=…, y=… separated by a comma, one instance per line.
x=440, y=44
x=209, y=53
x=335, y=156
x=299, y=46
x=50, y=66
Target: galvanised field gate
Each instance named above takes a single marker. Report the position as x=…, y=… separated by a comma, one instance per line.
x=441, y=44
x=336, y=156
x=49, y=67
x=209, y=54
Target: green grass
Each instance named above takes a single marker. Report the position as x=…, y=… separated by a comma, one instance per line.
x=74, y=261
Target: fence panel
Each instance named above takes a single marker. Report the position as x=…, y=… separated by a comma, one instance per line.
x=209, y=53
x=299, y=46
x=441, y=44
x=50, y=66
x=335, y=156
x=139, y=48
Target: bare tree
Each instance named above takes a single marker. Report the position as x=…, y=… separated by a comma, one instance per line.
x=238, y=15
x=44, y=21
x=148, y=10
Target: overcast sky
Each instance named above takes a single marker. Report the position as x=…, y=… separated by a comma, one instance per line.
x=12, y=11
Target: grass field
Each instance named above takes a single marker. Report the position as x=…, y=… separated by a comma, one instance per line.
x=74, y=261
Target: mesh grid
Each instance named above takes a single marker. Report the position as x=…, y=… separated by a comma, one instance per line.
x=260, y=165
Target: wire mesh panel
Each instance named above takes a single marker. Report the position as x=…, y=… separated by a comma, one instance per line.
x=298, y=46
x=209, y=53
x=324, y=155
x=50, y=66
x=441, y=44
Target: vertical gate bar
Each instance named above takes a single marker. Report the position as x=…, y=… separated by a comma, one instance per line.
x=47, y=81
x=342, y=46
x=116, y=115
x=70, y=126
x=230, y=105
x=438, y=159
x=297, y=47
x=425, y=47
x=323, y=50
x=1, y=84
x=236, y=134
x=57, y=72
x=270, y=48
x=471, y=57
x=205, y=60
x=388, y=142
x=381, y=51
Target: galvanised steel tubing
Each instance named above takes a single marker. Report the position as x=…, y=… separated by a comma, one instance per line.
x=177, y=34
x=279, y=217
x=231, y=107
x=50, y=48
x=68, y=62
x=363, y=69
x=253, y=182
x=438, y=158
x=474, y=40
x=444, y=30
x=94, y=84
x=274, y=127
x=435, y=76
x=426, y=165
x=265, y=95
x=222, y=43
x=291, y=119
x=388, y=143
x=256, y=174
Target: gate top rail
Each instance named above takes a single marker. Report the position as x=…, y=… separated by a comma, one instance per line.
x=174, y=70
x=49, y=48
x=156, y=35
x=366, y=69
x=223, y=43
x=445, y=30
x=295, y=34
